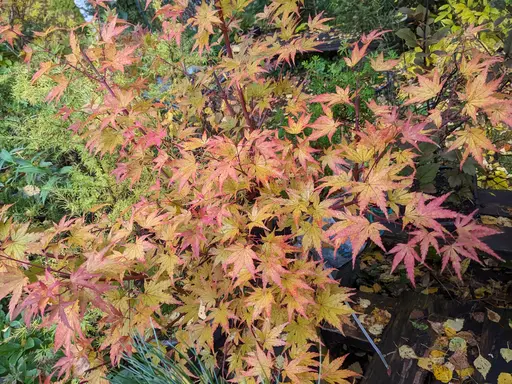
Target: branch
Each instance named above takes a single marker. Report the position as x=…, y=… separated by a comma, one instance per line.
x=229, y=51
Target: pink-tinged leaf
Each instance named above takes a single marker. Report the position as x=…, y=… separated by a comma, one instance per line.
x=423, y=212
x=57, y=91
x=43, y=68
x=452, y=253
x=426, y=239
x=415, y=133
x=407, y=254
x=358, y=230
x=28, y=54
x=242, y=256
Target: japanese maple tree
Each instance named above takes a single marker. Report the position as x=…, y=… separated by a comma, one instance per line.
x=212, y=251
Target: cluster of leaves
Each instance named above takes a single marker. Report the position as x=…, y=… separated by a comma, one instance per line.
x=210, y=255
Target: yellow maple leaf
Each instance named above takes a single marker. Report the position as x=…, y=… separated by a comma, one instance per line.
x=473, y=140
x=426, y=90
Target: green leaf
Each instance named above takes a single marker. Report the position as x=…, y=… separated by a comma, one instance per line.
x=427, y=173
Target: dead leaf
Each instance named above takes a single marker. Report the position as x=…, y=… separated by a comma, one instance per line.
x=425, y=363
x=505, y=378
x=455, y=324
x=457, y=344
x=377, y=288
x=376, y=329
x=478, y=316
x=506, y=353
x=364, y=303
x=493, y=316
x=443, y=373
x=459, y=360
x=437, y=327
x=437, y=357
x=365, y=289
x=482, y=365
x=407, y=352
x=429, y=291
x=466, y=372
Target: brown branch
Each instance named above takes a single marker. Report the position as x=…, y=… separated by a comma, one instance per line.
x=229, y=51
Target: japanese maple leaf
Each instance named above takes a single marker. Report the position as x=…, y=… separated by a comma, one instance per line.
x=452, y=253
x=270, y=337
x=272, y=269
x=469, y=235
x=415, y=133
x=342, y=96
x=325, y=125
x=358, y=230
x=425, y=215
x=317, y=23
x=260, y=364
x=242, y=256
x=332, y=373
x=221, y=315
x=261, y=300
x=379, y=65
x=205, y=18
x=426, y=90
x=312, y=236
x=373, y=189
x=407, y=254
x=294, y=368
x=13, y=280
x=474, y=141
x=43, y=68
x=332, y=307
x=358, y=52
x=426, y=239
x=57, y=91
x=111, y=29
x=479, y=94
x=296, y=127
x=9, y=33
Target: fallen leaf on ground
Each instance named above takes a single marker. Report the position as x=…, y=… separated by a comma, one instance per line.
x=437, y=327
x=407, y=352
x=466, y=372
x=425, y=363
x=419, y=326
x=506, y=353
x=429, y=291
x=364, y=303
x=455, y=324
x=437, y=357
x=443, y=373
x=482, y=365
x=365, y=289
x=478, y=316
x=459, y=360
x=457, y=344
x=505, y=378
x=493, y=316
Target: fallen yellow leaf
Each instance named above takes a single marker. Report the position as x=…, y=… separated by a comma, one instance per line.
x=466, y=372
x=505, y=378
x=365, y=289
x=443, y=373
x=429, y=291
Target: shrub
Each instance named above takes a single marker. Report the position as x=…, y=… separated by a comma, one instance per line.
x=211, y=256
